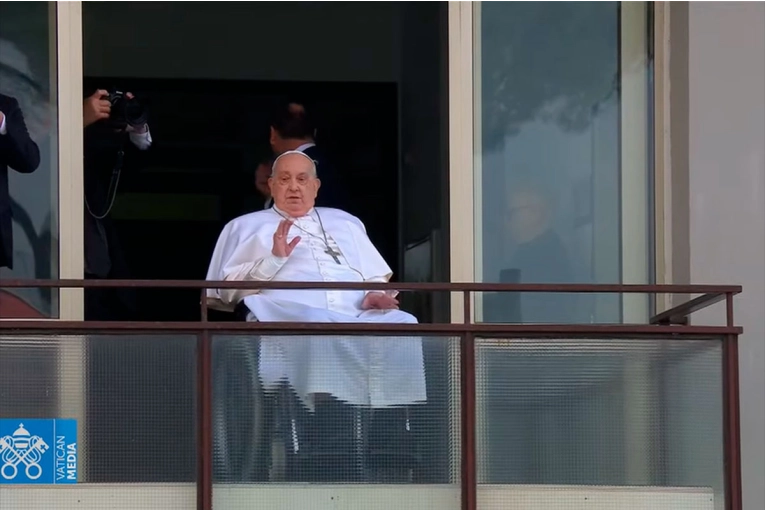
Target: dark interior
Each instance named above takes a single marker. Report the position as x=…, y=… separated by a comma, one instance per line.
x=380, y=104
x=199, y=173
x=208, y=136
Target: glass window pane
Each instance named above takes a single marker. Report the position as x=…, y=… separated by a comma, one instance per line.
x=562, y=167
x=608, y=412
x=29, y=212
x=135, y=407
x=265, y=430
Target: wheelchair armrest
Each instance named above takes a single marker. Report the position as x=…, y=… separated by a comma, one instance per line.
x=241, y=312
x=238, y=315
x=221, y=316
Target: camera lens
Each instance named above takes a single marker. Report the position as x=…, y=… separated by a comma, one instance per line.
x=134, y=112
x=126, y=111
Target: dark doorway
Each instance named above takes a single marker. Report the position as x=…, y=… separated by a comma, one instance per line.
x=374, y=74
x=199, y=173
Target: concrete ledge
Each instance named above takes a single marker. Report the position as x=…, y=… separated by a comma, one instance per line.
x=339, y=497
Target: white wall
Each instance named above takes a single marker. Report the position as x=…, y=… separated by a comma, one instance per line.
x=726, y=69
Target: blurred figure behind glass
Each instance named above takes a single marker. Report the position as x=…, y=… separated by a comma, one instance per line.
x=32, y=225
x=19, y=152
x=539, y=256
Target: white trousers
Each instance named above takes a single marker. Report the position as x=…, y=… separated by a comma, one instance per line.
x=373, y=371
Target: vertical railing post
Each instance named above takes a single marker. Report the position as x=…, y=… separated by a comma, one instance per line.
x=732, y=422
x=467, y=387
x=204, y=410
x=731, y=415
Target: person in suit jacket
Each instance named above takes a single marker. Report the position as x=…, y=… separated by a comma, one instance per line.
x=292, y=130
x=19, y=152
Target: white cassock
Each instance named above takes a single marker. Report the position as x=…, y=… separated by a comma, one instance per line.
x=379, y=371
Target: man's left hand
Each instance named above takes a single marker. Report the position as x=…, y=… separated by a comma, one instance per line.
x=379, y=301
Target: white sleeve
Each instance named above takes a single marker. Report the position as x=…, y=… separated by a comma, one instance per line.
x=381, y=279
x=262, y=271
x=3, y=127
x=141, y=140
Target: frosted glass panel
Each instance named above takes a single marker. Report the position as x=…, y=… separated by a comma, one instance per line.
x=605, y=412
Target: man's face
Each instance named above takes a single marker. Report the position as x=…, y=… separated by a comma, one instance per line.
x=526, y=216
x=294, y=186
x=262, y=173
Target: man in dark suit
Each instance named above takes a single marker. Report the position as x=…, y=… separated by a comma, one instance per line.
x=17, y=151
x=292, y=130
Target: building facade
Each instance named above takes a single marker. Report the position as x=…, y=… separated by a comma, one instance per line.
x=633, y=131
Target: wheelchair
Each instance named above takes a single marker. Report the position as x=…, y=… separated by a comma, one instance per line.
x=270, y=436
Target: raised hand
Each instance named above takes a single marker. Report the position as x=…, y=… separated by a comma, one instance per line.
x=281, y=247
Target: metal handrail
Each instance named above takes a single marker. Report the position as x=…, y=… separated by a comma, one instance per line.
x=375, y=329
x=400, y=286
x=671, y=323
x=709, y=294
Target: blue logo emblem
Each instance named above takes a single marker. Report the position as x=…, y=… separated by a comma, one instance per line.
x=38, y=451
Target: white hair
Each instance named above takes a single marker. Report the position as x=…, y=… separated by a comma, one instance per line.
x=306, y=156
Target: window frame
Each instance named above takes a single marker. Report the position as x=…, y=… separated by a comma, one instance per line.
x=465, y=177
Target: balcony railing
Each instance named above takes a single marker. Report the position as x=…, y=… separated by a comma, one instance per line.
x=175, y=414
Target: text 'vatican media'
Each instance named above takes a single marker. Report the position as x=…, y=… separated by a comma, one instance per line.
x=66, y=460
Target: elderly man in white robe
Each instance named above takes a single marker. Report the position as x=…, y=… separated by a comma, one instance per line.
x=295, y=241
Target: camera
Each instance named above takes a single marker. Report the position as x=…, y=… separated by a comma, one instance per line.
x=125, y=111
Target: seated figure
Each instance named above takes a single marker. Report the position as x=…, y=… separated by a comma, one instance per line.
x=339, y=381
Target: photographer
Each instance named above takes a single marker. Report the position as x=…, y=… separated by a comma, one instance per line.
x=17, y=151
x=116, y=133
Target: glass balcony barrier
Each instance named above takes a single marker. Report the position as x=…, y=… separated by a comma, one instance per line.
x=229, y=415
